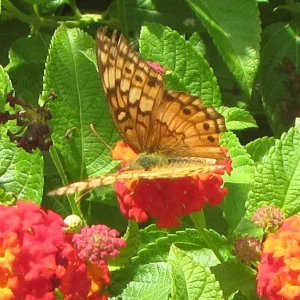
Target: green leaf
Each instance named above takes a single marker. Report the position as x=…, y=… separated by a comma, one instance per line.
x=242, y=164
x=143, y=282
x=108, y=214
x=21, y=173
x=237, y=118
x=192, y=277
x=238, y=182
x=26, y=69
x=278, y=176
x=80, y=102
x=260, y=147
x=236, y=40
x=10, y=31
x=5, y=87
x=149, y=275
x=248, y=228
x=172, y=51
x=150, y=234
x=52, y=180
x=234, y=204
x=234, y=276
x=28, y=82
x=132, y=244
x=28, y=50
x=174, y=13
x=297, y=124
x=50, y=6
x=280, y=99
x=198, y=43
x=6, y=198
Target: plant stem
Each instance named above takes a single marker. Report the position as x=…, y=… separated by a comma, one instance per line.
x=53, y=21
x=75, y=9
x=17, y=13
x=122, y=17
x=198, y=220
x=59, y=167
x=83, y=21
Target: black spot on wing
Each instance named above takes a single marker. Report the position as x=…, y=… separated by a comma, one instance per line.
x=206, y=126
x=187, y=111
x=127, y=70
x=211, y=138
x=151, y=81
x=138, y=78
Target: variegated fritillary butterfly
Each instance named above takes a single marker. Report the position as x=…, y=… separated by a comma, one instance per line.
x=173, y=130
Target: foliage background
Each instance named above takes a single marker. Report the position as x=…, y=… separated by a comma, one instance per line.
x=231, y=53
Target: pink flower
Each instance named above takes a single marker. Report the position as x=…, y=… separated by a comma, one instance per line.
x=97, y=243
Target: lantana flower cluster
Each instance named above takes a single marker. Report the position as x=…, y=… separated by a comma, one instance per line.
x=268, y=217
x=247, y=249
x=38, y=258
x=279, y=270
x=167, y=199
x=98, y=243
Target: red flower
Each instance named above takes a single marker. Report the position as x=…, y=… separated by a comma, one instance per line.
x=167, y=199
x=79, y=280
x=279, y=270
x=37, y=256
x=30, y=239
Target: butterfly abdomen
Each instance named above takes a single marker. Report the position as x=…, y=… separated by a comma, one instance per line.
x=192, y=160
x=156, y=161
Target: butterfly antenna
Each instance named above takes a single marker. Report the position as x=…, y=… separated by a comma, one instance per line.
x=99, y=137
x=78, y=200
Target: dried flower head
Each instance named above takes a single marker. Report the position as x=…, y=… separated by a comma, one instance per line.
x=34, y=129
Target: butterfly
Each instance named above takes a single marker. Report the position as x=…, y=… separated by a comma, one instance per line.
x=173, y=132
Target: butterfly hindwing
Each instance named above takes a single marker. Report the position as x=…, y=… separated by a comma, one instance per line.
x=188, y=128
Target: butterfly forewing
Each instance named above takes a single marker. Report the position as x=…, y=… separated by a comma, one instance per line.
x=133, y=89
